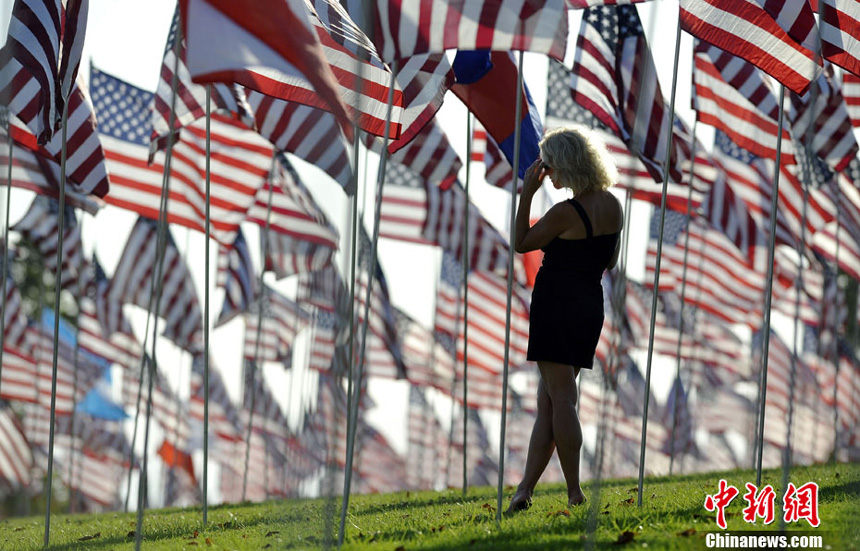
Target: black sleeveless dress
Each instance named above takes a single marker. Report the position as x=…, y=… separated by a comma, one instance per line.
x=566, y=313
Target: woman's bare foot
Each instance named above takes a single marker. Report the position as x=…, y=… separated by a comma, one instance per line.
x=520, y=502
x=577, y=498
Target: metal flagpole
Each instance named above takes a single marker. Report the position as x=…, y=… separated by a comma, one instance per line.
x=683, y=294
x=6, y=120
x=161, y=212
x=57, y=289
x=206, y=310
x=156, y=284
x=835, y=336
x=511, y=241
x=657, y=264
x=252, y=376
x=73, y=419
x=356, y=399
x=465, y=260
x=807, y=176
x=765, y=331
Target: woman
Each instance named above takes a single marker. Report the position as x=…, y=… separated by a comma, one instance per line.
x=580, y=239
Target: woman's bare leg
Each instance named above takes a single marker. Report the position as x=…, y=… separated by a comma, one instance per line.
x=541, y=446
x=560, y=383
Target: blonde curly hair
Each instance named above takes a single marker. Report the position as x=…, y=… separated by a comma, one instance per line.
x=578, y=158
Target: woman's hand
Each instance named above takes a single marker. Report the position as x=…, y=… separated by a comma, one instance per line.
x=534, y=177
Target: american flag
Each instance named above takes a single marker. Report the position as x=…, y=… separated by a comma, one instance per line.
x=45, y=41
x=666, y=330
x=16, y=334
x=851, y=93
x=16, y=458
x=71, y=387
x=486, y=319
x=99, y=457
x=778, y=37
x=181, y=488
x=583, y=4
x=301, y=238
x=474, y=444
x=379, y=468
x=727, y=211
x=40, y=226
x=734, y=96
x=402, y=29
x=843, y=234
x=719, y=279
x=240, y=162
x=269, y=419
x=324, y=346
x=748, y=178
x=85, y=158
x=120, y=346
x=308, y=133
x=190, y=102
x=723, y=411
x=425, y=453
x=224, y=418
x=633, y=176
x=838, y=24
x=168, y=410
x=825, y=124
x=448, y=293
x=236, y=276
x=266, y=470
x=131, y=283
x=327, y=423
x=324, y=291
x=677, y=416
x=307, y=66
x=614, y=77
x=282, y=319
x=39, y=174
x=779, y=392
x=381, y=322
x=424, y=80
x=19, y=372
x=428, y=154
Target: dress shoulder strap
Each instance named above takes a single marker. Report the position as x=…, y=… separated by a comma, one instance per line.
x=582, y=214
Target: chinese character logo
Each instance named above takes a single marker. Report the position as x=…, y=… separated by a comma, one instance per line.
x=802, y=503
x=719, y=501
x=759, y=504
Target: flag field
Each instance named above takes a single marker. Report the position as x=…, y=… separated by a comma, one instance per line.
x=672, y=516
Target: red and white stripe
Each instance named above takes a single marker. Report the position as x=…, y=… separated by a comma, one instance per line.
x=733, y=95
x=840, y=41
x=750, y=31
x=282, y=320
x=16, y=458
x=430, y=155
x=404, y=29
x=306, y=66
x=851, y=93
x=120, y=347
x=487, y=302
x=224, y=419
x=85, y=158
x=308, y=133
x=19, y=377
x=29, y=72
x=825, y=124
x=132, y=283
x=40, y=225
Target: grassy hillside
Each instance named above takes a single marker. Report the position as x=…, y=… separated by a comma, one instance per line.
x=672, y=517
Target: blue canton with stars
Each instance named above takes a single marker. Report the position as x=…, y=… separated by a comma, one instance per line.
x=723, y=143
x=122, y=110
x=673, y=226
x=452, y=271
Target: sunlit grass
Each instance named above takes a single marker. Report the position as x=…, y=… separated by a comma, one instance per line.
x=672, y=516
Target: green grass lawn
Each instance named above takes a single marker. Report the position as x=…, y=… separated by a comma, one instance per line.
x=672, y=516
